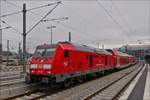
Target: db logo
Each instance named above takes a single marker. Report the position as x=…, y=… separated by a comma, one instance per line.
x=42, y=60
x=66, y=63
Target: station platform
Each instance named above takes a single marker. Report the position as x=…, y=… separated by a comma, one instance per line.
x=139, y=89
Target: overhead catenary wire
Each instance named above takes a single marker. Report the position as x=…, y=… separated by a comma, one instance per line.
x=85, y=20
x=51, y=19
x=69, y=27
x=43, y=17
x=37, y=8
x=119, y=23
x=55, y=19
x=15, y=5
x=125, y=21
x=5, y=28
x=17, y=12
x=14, y=13
x=43, y=6
x=11, y=27
x=72, y=28
x=122, y=17
x=113, y=19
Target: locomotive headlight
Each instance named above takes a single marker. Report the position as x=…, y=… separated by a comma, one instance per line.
x=47, y=66
x=33, y=66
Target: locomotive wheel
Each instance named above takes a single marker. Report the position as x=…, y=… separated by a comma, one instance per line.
x=30, y=79
x=67, y=83
x=103, y=72
x=80, y=79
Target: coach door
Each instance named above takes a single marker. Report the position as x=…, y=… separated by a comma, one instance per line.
x=118, y=61
x=91, y=60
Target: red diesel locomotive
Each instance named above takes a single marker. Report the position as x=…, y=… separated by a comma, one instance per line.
x=66, y=61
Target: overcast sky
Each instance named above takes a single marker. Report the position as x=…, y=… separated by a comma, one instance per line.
x=112, y=23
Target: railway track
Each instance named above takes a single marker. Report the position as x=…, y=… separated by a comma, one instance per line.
x=87, y=90
x=10, y=68
x=114, y=89
x=11, y=82
x=16, y=89
x=10, y=77
x=36, y=94
x=4, y=74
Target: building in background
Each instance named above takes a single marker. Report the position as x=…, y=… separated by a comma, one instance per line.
x=9, y=58
x=139, y=51
x=13, y=58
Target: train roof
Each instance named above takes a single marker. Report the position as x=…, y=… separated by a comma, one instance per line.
x=85, y=48
x=121, y=54
x=73, y=46
x=118, y=53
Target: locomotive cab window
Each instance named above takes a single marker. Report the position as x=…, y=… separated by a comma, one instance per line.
x=44, y=52
x=66, y=53
x=50, y=52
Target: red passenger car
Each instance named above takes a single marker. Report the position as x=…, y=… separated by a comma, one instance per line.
x=121, y=59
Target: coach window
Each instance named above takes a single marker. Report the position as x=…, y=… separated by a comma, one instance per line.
x=66, y=53
x=106, y=61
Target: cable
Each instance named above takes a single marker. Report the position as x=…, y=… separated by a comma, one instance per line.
x=30, y=10
x=86, y=21
x=11, y=27
x=5, y=28
x=35, y=13
x=55, y=19
x=107, y=12
x=72, y=28
x=27, y=9
x=43, y=17
x=122, y=17
x=12, y=4
x=43, y=6
x=14, y=13
x=21, y=8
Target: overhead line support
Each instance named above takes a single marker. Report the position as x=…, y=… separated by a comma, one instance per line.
x=24, y=37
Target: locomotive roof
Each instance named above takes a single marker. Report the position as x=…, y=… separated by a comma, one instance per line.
x=85, y=48
x=90, y=49
x=73, y=46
